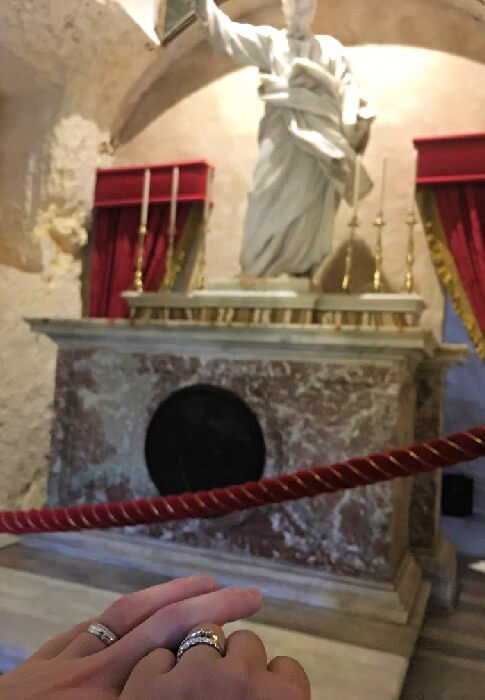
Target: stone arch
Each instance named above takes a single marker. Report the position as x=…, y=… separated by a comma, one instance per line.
x=189, y=63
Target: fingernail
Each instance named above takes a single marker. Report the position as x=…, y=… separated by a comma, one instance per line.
x=208, y=581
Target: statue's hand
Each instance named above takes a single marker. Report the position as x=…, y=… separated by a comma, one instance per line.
x=299, y=66
x=304, y=70
x=305, y=65
x=301, y=74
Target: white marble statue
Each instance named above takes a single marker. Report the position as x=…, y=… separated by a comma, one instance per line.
x=315, y=121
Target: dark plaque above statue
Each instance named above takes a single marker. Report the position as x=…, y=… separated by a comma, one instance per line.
x=177, y=15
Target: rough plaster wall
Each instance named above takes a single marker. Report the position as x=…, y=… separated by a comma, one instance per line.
x=415, y=91
x=476, y=8
x=64, y=70
x=24, y=166
x=27, y=364
x=74, y=63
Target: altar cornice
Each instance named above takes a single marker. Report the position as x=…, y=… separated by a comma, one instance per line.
x=248, y=342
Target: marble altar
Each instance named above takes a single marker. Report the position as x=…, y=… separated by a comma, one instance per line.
x=320, y=395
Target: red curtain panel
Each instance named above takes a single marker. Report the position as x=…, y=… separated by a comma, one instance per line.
x=116, y=225
x=462, y=212
x=451, y=193
x=115, y=251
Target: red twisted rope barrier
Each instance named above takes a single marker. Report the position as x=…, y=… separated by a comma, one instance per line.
x=360, y=471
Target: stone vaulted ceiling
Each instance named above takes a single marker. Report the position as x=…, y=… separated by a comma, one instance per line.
x=476, y=8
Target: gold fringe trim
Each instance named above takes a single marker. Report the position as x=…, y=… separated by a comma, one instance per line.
x=446, y=269
x=186, y=241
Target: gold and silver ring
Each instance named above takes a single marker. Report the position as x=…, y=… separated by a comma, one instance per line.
x=103, y=633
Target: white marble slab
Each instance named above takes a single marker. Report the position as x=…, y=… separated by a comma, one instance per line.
x=392, y=602
x=33, y=608
x=250, y=341
x=284, y=282
x=278, y=299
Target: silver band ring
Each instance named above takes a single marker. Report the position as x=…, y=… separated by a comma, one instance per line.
x=201, y=637
x=103, y=633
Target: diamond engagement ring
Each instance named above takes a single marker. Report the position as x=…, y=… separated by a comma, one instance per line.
x=199, y=637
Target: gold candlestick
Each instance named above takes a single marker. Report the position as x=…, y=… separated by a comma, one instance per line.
x=411, y=222
x=379, y=224
x=201, y=282
x=353, y=226
x=170, y=250
x=172, y=230
x=138, y=281
x=142, y=231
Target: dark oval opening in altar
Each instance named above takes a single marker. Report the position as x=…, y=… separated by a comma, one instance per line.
x=203, y=437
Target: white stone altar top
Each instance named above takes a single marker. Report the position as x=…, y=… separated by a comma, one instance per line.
x=272, y=342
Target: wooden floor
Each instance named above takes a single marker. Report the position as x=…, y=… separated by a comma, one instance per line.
x=449, y=660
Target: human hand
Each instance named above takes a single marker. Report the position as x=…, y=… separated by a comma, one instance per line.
x=76, y=665
x=201, y=673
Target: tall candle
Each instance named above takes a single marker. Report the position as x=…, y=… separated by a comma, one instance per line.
x=383, y=185
x=358, y=162
x=173, y=201
x=413, y=183
x=146, y=198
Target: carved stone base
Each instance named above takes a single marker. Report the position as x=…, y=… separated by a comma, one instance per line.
x=439, y=566
x=7, y=540
x=386, y=601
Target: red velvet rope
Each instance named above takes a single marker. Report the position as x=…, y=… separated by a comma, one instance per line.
x=359, y=471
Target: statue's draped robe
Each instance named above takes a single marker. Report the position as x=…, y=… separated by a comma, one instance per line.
x=315, y=121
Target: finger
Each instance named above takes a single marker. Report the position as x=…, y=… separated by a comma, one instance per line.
x=167, y=627
x=246, y=647
x=293, y=672
x=58, y=644
x=146, y=672
x=142, y=682
x=204, y=652
x=131, y=610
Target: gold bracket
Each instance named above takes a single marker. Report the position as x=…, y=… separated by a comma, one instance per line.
x=411, y=222
x=202, y=262
x=168, y=281
x=138, y=281
x=379, y=224
x=353, y=226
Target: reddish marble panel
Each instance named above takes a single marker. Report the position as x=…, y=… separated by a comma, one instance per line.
x=310, y=411
x=424, y=514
